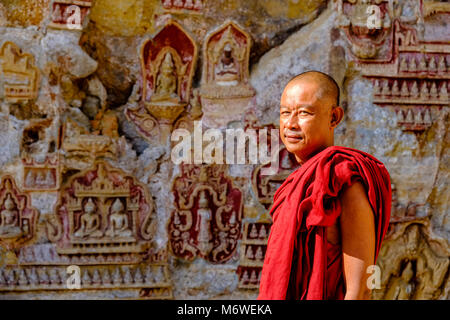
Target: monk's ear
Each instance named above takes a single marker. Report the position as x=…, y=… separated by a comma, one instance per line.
x=337, y=113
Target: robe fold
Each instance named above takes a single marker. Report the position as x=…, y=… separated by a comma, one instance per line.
x=300, y=263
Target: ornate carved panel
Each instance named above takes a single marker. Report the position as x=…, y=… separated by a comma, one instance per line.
x=414, y=265
x=225, y=76
x=70, y=14
x=81, y=148
x=367, y=29
x=17, y=218
x=20, y=75
x=253, y=249
x=207, y=219
x=103, y=223
x=168, y=64
x=42, y=268
x=41, y=175
x=408, y=69
x=102, y=210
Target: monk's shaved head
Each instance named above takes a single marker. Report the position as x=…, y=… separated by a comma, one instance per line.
x=328, y=88
x=309, y=112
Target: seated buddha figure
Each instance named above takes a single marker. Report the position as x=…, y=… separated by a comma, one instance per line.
x=118, y=221
x=90, y=222
x=227, y=68
x=9, y=218
x=166, y=81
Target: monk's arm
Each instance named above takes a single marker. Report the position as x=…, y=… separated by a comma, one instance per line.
x=358, y=240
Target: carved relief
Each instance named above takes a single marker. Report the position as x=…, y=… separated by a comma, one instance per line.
x=411, y=268
x=405, y=213
x=366, y=28
x=20, y=75
x=168, y=65
x=412, y=75
x=41, y=175
x=433, y=7
x=183, y=5
x=102, y=210
x=143, y=278
x=225, y=78
x=82, y=147
x=41, y=267
x=17, y=218
x=253, y=249
x=207, y=219
x=103, y=223
x=70, y=14
x=194, y=113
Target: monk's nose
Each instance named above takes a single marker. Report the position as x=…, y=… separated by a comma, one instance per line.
x=292, y=122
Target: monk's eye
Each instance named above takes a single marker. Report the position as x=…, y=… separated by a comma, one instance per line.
x=285, y=113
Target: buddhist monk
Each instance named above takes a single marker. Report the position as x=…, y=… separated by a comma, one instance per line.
x=331, y=214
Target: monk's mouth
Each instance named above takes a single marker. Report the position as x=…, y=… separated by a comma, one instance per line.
x=293, y=138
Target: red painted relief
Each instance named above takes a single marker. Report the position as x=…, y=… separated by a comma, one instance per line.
x=102, y=210
x=207, y=219
x=17, y=218
x=41, y=176
x=409, y=69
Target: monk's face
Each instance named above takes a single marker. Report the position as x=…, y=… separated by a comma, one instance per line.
x=307, y=121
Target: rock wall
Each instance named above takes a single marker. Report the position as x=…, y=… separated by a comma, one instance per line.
x=96, y=95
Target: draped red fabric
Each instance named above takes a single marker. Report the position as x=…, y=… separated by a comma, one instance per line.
x=304, y=205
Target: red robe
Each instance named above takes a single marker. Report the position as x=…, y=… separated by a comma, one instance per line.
x=304, y=206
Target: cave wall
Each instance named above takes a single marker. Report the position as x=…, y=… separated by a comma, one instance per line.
x=92, y=92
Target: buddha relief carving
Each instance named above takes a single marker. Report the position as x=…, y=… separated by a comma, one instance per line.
x=168, y=61
x=9, y=218
x=227, y=53
x=225, y=76
x=207, y=219
x=106, y=211
x=166, y=81
x=119, y=225
x=17, y=217
x=90, y=222
x=226, y=70
x=168, y=64
x=204, y=236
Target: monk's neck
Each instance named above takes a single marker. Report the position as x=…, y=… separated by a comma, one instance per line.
x=302, y=160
